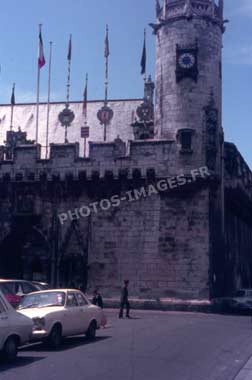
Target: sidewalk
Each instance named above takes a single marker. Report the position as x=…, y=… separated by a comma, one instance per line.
x=246, y=371
x=163, y=304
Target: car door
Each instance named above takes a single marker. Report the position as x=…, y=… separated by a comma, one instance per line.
x=4, y=322
x=84, y=312
x=71, y=315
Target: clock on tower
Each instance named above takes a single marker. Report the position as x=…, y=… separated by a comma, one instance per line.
x=187, y=63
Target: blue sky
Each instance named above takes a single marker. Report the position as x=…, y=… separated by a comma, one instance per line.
x=86, y=20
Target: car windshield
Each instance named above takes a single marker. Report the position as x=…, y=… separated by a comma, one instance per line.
x=45, y=299
x=6, y=289
x=42, y=286
x=240, y=293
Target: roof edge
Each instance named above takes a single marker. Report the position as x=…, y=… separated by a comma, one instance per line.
x=73, y=102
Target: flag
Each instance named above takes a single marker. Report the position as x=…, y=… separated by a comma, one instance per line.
x=143, y=60
x=85, y=98
x=41, y=57
x=106, y=51
x=13, y=96
x=158, y=8
x=69, y=54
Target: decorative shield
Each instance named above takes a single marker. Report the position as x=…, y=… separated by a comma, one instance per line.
x=66, y=117
x=145, y=112
x=105, y=115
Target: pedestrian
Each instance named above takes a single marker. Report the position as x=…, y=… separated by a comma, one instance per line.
x=97, y=299
x=125, y=300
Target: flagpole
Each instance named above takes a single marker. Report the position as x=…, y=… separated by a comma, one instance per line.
x=106, y=68
x=69, y=58
x=38, y=91
x=48, y=100
x=105, y=114
x=106, y=76
x=41, y=63
x=37, y=114
x=85, y=100
x=144, y=78
x=12, y=106
x=85, y=115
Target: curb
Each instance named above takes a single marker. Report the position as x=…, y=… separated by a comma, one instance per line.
x=246, y=372
x=163, y=305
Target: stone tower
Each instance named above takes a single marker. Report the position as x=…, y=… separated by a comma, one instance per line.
x=188, y=77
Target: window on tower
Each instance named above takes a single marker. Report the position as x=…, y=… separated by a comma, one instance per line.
x=185, y=140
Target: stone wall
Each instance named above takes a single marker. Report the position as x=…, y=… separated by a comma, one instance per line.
x=25, y=117
x=238, y=221
x=159, y=243
x=238, y=264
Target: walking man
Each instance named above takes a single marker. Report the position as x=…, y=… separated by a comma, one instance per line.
x=125, y=300
x=97, y=299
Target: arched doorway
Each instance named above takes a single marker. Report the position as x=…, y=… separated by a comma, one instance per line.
x=25, y=252
x=73, y=257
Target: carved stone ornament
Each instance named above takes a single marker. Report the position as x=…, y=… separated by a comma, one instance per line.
x=212, y=141
x=105, y=115
x=66, y=117
x=145, y=112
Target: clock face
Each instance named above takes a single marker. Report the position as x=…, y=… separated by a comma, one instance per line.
x=186, y=60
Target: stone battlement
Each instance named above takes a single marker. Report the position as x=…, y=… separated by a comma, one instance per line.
x=190, y=8
x=139, y=159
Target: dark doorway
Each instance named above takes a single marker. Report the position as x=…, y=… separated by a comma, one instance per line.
x=73, y=272
x=25, y=252
x=11, y=256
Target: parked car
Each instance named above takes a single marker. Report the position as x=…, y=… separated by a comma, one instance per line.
x=14, y=290
x=240, y=302
x=41, y=285
x=12, y=298
x=59, y=313
x=15, y=329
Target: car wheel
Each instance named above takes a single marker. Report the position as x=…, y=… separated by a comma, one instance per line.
x=91, y=332
x=55, y=337
x=10, y=349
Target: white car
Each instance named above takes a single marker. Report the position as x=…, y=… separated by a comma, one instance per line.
x=59, y=313
x=15, y=330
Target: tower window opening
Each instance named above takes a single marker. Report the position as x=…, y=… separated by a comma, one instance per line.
x=185, y=140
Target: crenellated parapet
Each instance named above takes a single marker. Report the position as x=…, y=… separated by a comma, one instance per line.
x=139, y=158
x=191, y=8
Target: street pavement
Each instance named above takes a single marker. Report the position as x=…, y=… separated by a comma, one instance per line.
x=151, y=346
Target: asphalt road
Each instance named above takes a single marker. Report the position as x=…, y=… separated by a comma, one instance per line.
x=152, y=346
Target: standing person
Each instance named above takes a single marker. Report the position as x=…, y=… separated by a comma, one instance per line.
x=125, y=300
x=97, y=299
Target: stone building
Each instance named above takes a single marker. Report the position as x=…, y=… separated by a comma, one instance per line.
x=190, y=239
